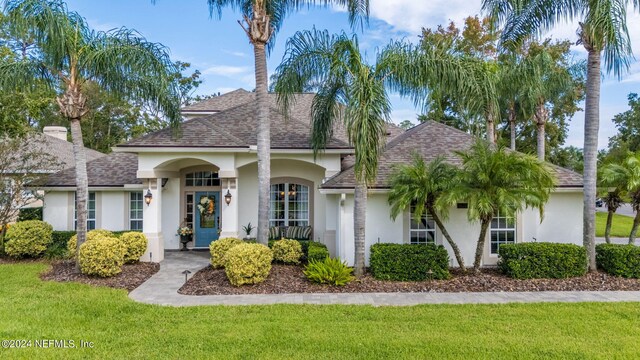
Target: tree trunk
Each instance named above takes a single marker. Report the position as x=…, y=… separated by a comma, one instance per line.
x=445, y=233
x=259, y=31
x=591, y=127
x=491, y=130
x=512, y=126
x=541, y=121
x=359, y=223
x=264, y=143
x=82, y=185
x=607, y=230
x=484, y=226
x=634, y=228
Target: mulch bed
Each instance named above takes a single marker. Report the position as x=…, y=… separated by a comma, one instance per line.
x=132, y=275
x=290, y=279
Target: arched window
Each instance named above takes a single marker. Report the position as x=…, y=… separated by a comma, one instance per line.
x=289, y=205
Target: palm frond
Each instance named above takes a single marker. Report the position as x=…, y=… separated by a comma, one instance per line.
x=125, y=63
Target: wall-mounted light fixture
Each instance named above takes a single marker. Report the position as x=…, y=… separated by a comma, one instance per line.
x=227, y=197
x=148, y=197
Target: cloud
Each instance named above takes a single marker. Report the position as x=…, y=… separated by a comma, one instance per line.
x=412, y=15
x=226, y=70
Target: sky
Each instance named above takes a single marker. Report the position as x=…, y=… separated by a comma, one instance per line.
x=220, y=50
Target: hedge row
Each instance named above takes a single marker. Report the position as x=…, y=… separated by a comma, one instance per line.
x=542, y=260
x=406, y=262
x=619, y=260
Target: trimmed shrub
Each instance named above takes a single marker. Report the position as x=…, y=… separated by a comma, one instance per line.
x=619, y=260
x=136, y=244
x=287, y=251
x=248, y=264
x=329, y=271
x=316, y=251
x=542, y=260
x=102, y=256
x=26, y=214
x=406, y=262
x=219, y=248
x=27, y=238
x=93, y=234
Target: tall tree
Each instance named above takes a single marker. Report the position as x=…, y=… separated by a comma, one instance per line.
x=351, y=90
x=550, y=79
x=422, y=184
x=66, y=51
x=627, y=123
x=494, y=181
x=602, y=29
x=261, y=20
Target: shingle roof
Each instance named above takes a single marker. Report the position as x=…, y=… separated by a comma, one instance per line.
x=430, y=139
x=233, y=128
x=234, y=124
x=60, y=149
x=113, y=170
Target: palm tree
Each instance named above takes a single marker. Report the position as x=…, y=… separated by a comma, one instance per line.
x=422, y=184
x=495, y=181
x=262, y=20
x=625, y=177
x=547, y=80
x=69, y=54
x=355, y=92
x=603, y=29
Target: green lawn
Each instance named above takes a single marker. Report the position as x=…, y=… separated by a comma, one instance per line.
x=32, y=309
x=620, y=226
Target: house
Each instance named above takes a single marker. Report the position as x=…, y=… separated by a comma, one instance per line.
x=29, y=159
x=189, y=176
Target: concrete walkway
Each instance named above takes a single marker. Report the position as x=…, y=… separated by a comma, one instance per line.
x=162, y=289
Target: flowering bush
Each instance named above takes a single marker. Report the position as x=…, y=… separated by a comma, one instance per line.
x=219, y=248
x=73, y=242
x=136, y=244
x=184, y=231
x=28, y=238
x=102, y=256
x=287, y=251
x=248, y=264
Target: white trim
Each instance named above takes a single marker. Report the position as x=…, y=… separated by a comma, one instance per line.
x=127, y=187
x=202, y=150
x=384, y=191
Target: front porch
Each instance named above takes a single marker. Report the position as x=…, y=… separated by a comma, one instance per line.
x=216, y=195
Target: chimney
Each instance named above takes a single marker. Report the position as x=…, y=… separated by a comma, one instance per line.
x=59, y=132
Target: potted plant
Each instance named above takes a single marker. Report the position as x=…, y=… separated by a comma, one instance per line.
x=247, y=230
x=186, y=236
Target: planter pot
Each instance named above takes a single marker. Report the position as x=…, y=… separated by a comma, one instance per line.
x=184, y=239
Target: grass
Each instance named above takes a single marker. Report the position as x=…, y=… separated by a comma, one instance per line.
x=620, y=226
x=120, y=328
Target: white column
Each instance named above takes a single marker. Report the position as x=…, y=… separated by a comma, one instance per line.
x=152, y=222
x=229, y=213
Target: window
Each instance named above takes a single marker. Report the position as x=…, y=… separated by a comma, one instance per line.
x=423, y=231
x=91, y=211
x=136, y=200
x=202, y=178
x=289, y=205
x=503, y=231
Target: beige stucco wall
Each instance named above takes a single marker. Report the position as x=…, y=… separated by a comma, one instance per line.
x=55, y=210
x=171, y=213
x=562, y=223
x=112, y=211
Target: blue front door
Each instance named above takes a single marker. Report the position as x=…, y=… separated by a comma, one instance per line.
x=207, y=218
